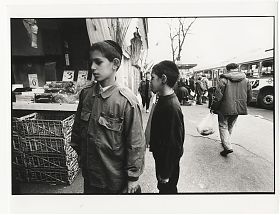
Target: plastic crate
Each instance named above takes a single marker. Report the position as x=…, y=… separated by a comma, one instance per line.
x=52, y=176
x=47, y=145
x=46, y=125
x=51, y=161
x=18, y=158
x=17, y=142
x=19, y=173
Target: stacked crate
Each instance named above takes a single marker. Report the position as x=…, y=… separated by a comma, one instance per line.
x=48, y=157
x=18, y=155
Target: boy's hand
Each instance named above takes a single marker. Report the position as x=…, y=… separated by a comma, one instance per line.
x=163, y=180
x=132, y=186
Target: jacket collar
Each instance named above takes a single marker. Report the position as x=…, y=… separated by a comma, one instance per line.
x=98, y=90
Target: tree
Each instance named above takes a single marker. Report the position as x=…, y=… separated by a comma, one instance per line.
x=178, y=35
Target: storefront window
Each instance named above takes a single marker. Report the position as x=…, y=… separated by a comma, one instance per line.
x=267, y=68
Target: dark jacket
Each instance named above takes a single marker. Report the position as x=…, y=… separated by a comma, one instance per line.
x=109, y=136
x=167, y=134
x=142, y=89
x=199, y=87
x=232, y=94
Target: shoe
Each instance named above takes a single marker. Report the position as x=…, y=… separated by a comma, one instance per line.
x=225, y=152
x=147, y=111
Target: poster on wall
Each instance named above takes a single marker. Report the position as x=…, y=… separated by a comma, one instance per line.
x=33, y=80
x=82, y=77
x=68, y=75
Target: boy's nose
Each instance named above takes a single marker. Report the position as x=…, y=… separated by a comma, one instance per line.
x=93, y=67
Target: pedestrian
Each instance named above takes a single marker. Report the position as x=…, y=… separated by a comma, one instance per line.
x=231, y=97
x=192, y=84
x=205, y=87
x=145, y=91
x=107, y=132
x=182, y=92
x=199, y=90
x=167, y=127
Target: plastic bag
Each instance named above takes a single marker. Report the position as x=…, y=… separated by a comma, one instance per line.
x=207, y=125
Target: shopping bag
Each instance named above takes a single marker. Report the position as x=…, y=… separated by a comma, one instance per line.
x=207, y=125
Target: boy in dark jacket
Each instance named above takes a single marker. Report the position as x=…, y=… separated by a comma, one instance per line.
x=167, y=127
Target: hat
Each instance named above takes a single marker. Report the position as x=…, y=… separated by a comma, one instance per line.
x=231, y=66
x=115, y=45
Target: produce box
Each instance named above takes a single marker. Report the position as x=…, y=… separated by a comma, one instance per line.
x=47, y=125
x=52, y=176
x=47, y=145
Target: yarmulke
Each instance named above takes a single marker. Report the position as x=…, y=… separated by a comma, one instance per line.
x=115, y=45
x=231, y=66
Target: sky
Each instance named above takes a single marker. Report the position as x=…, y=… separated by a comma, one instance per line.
x=212, y=40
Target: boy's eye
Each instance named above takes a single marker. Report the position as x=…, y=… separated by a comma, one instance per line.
x=98, y=62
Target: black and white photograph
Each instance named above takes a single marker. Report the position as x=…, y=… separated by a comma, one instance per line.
x=143, y=106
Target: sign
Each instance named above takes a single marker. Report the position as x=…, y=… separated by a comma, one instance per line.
x=68, y=75
x=82, y=76
x=33, y=80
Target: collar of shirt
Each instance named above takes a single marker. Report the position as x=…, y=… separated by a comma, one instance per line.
x=104, y=93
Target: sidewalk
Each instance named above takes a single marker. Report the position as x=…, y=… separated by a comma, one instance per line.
x=248, y=169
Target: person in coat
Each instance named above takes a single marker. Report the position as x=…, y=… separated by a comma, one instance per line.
x=199, y=90
x=108, y=129
x=231, y=97
x=145, y=91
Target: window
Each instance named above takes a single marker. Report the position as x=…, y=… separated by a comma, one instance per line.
x=267, y=68
x=251, y=70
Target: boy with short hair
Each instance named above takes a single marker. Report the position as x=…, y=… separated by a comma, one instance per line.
x=167, y=127
x=107, y=132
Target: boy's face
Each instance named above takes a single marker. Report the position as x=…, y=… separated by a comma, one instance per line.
x=156, y=83
x=101, y=67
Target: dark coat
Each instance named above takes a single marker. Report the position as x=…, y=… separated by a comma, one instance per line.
x=232, y=94
x=142, y=89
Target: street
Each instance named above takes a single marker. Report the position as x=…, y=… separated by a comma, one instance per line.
x=250, y=168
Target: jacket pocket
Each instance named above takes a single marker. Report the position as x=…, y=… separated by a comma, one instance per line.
x=241, y=106
x=110, y=132
x=85, y=116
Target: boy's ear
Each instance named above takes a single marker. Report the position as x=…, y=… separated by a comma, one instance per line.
x=116, y=63
x=164, y=79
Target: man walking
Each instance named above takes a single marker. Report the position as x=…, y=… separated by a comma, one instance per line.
x=231, y=97
x=145, y=91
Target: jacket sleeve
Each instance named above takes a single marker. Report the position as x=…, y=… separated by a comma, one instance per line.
x=135, y=141
x=170, y=154
x=249, y=92
x=219, y=93
x=76, y=132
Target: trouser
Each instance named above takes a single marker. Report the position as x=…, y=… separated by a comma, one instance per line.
x=210, y=99
x=146, y=102
x=89, y=189
x=199, y=98
x=226, y=124
x=171, y=186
